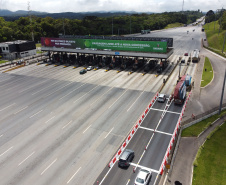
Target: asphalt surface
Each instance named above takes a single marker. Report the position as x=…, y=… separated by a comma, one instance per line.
x=149, y=143
x=55, y=124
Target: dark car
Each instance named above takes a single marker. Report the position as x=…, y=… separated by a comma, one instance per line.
x=186, y=54
x=183, y=61
x=83, y=71
x=125, y=159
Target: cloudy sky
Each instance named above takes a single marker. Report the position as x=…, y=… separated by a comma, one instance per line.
x=55, y=6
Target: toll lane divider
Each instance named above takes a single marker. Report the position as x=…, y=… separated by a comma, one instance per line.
x=132, y=132
x=176, y=131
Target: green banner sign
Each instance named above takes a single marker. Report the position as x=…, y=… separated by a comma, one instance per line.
x=114, y=45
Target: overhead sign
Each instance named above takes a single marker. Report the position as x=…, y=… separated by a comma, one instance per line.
x=102, y=44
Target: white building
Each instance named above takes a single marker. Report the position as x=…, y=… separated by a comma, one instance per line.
x=17, y=49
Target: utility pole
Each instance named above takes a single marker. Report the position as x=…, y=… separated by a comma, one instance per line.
x=222, y=94
x=29, y=14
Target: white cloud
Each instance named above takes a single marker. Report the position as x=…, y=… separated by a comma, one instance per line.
x=108, y=5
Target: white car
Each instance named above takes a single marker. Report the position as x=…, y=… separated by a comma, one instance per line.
x=89, y=68
x=143, y=177
x=161, y=98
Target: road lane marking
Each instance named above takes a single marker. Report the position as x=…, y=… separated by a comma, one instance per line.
x=50, y=119
x=21, y=110
x=128, y=182
x=7, y=107
x=1, y=135
x=156, y=178
x=71, y=91
x=6, y=151
x=143, y=167
x=134, y=102
x=86, y=129
x=26, y=158
x=165, y=111
x=49, y=166
x=43, y=89
x=73, y=176
x=36, y=113
x=156, y=131
x=67, y=124
x=101, y=96
x=86, y=94
x=118, y=98
x=109, y=133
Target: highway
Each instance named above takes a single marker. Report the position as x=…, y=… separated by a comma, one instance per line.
x=60, y=127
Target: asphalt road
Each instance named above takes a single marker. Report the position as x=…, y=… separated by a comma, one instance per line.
x=149, y=144
x=55, y=124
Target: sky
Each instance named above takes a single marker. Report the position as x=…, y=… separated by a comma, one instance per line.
x=158, y=6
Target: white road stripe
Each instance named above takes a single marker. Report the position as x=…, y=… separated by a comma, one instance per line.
x=26, y=158
x=21, y=110
x=36, y=113
x=48, y=166
x=156, y=131
x=43, y=88
x=67, y=124
x=73, y=176
x=71, y=91
x=101, y=96
x=85, y=94
x=143, y=167
x=165, y=111
x=134, y=101
x=7, y=107
x=58, y=89
x=1, y=135
x=118, y=98
x=6, y=151
x=109, y=133
x=86, y=129
x=128, y=182
x=50, y=119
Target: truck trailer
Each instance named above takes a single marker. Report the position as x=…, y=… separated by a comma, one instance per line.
x=180, y=92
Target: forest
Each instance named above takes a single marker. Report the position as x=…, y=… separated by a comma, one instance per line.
x=22, y=28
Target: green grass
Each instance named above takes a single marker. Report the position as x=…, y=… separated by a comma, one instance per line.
x=174, y=25
x=3, y=61
x=196, y=129
x=211, y=163
x=207, y=74
x=215, y=41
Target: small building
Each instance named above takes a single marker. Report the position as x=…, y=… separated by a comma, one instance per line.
x=17, y=49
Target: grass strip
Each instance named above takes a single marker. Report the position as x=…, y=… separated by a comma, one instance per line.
x=207, y=74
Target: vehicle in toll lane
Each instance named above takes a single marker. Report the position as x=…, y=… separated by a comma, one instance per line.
x=186, y=54
x=161, y=98
x=83, y=71
x=143, y=177
x=125, y=159
x=89, y=68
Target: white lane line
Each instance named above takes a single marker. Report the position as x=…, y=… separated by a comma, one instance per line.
x=7, y=107
x=86, y=94
x=134, y=101
x=118, y=98
x=43, y=89
x=109, y=133
x=165, y=111
x=128, y=182
x=156, y=131
x=6, y=151
x=66, y=124
x=50, y=119
x=26, y=159
x=156, y=178
x=86, y=129
x=36, y=113
x=21, y=110
x=71, y=92
x=1, y=135
x=105, y=176
x=73, y=176
x=143, y=167
x=101, y=96
x=49, y=166
x=58, y=89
